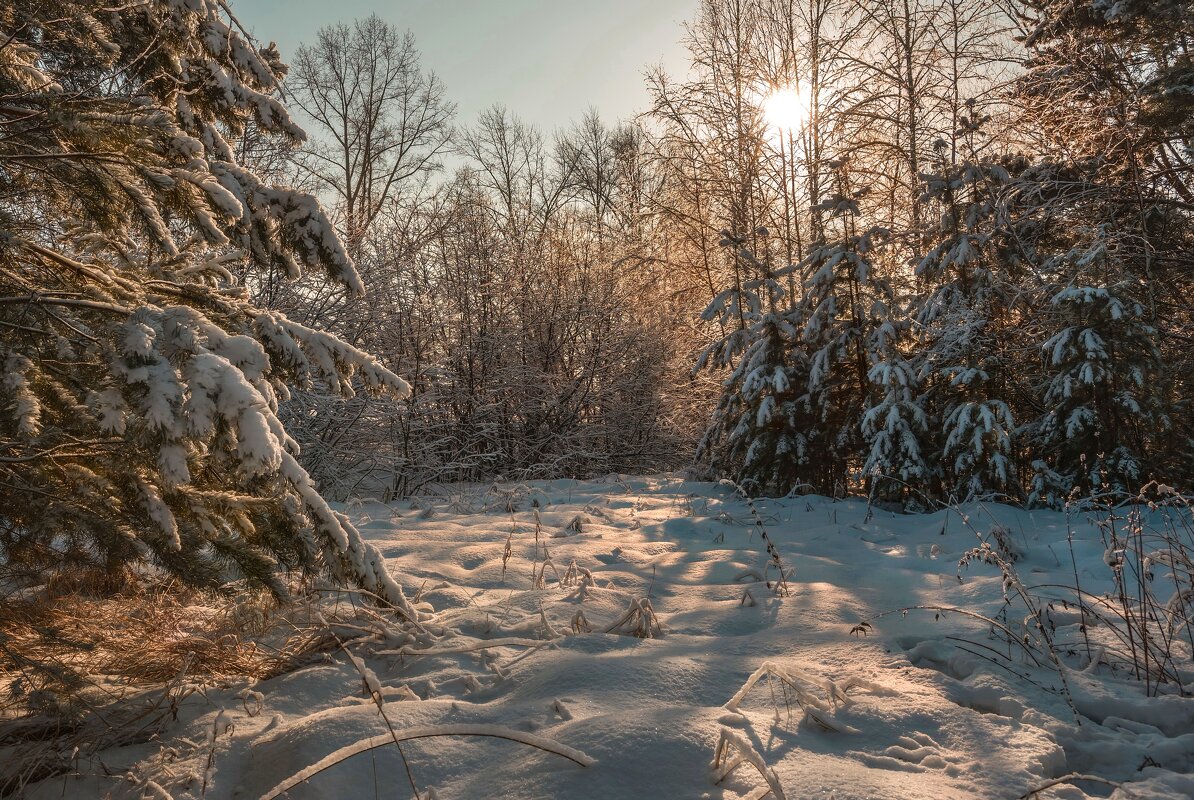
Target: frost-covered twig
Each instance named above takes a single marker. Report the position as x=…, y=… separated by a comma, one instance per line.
x=373, y=686
x=471, y=647
x=1076, y=776
x=965, y=613
x=638, y=620
x=779, y=584
x=818, y=709
x=732, y=751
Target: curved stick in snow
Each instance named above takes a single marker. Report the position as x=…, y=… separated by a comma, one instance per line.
x=423, y=732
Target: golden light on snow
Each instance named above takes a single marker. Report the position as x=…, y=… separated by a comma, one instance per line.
x=786, y=107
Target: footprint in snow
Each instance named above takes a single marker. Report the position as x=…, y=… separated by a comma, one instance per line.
x=916, y=752
x=471, y=561
x=928, y=551
x=612, y=557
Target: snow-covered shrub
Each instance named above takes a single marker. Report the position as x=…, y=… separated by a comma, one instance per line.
x=1134, y=620
x=1149, y=551
x=534, y=319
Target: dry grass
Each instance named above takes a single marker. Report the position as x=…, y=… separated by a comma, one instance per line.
x=140, y=635
x=104, y=660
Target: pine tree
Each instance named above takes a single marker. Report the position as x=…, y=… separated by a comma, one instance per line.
x=962, y=322
x=895, y=425
x=1109, y=91
x=140, y=386
x=1099, y=405
x=758, y=434
x=844, y=306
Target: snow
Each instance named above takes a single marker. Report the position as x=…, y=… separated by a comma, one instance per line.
x=658, y=663
x=26, y=409
x=161, y=514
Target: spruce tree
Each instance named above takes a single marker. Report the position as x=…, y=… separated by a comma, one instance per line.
x=1099, y=401
x=845, y=304
x=894, y=426
x=140, y=386
x=963, y=322
x=1109, y=91
x=758, y=433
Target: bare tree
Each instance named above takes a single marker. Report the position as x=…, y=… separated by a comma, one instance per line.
x=380, y=120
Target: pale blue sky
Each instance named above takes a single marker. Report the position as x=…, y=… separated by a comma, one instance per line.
x=546, y=60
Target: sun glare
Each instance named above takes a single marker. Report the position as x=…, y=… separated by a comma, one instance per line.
x=786, y=107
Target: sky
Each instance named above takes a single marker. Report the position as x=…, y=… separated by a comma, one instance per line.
x=548, y=61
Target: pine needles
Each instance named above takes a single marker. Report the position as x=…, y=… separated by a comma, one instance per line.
x=83, y=673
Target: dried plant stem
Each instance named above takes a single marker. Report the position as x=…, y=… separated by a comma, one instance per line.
x=424, y=732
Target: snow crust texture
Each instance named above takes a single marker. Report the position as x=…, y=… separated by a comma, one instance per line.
x=621, y=631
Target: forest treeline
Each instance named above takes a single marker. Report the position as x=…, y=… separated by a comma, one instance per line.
x=961, y=267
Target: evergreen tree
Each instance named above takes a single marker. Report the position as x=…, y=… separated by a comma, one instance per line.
x=1100, y=365
x=895, y=425
x=845, y=304
x=759, y=431
x=963, y=321
x=1110, y=95
x=140, y=386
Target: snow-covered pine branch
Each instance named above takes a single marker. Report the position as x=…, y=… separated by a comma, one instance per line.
x=140, y=387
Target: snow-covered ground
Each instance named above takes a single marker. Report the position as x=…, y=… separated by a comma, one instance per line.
x=923, y=705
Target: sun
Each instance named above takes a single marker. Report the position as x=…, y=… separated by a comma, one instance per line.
x=786, y=107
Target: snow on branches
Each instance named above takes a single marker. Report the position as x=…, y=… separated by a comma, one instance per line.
x=140, y=387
